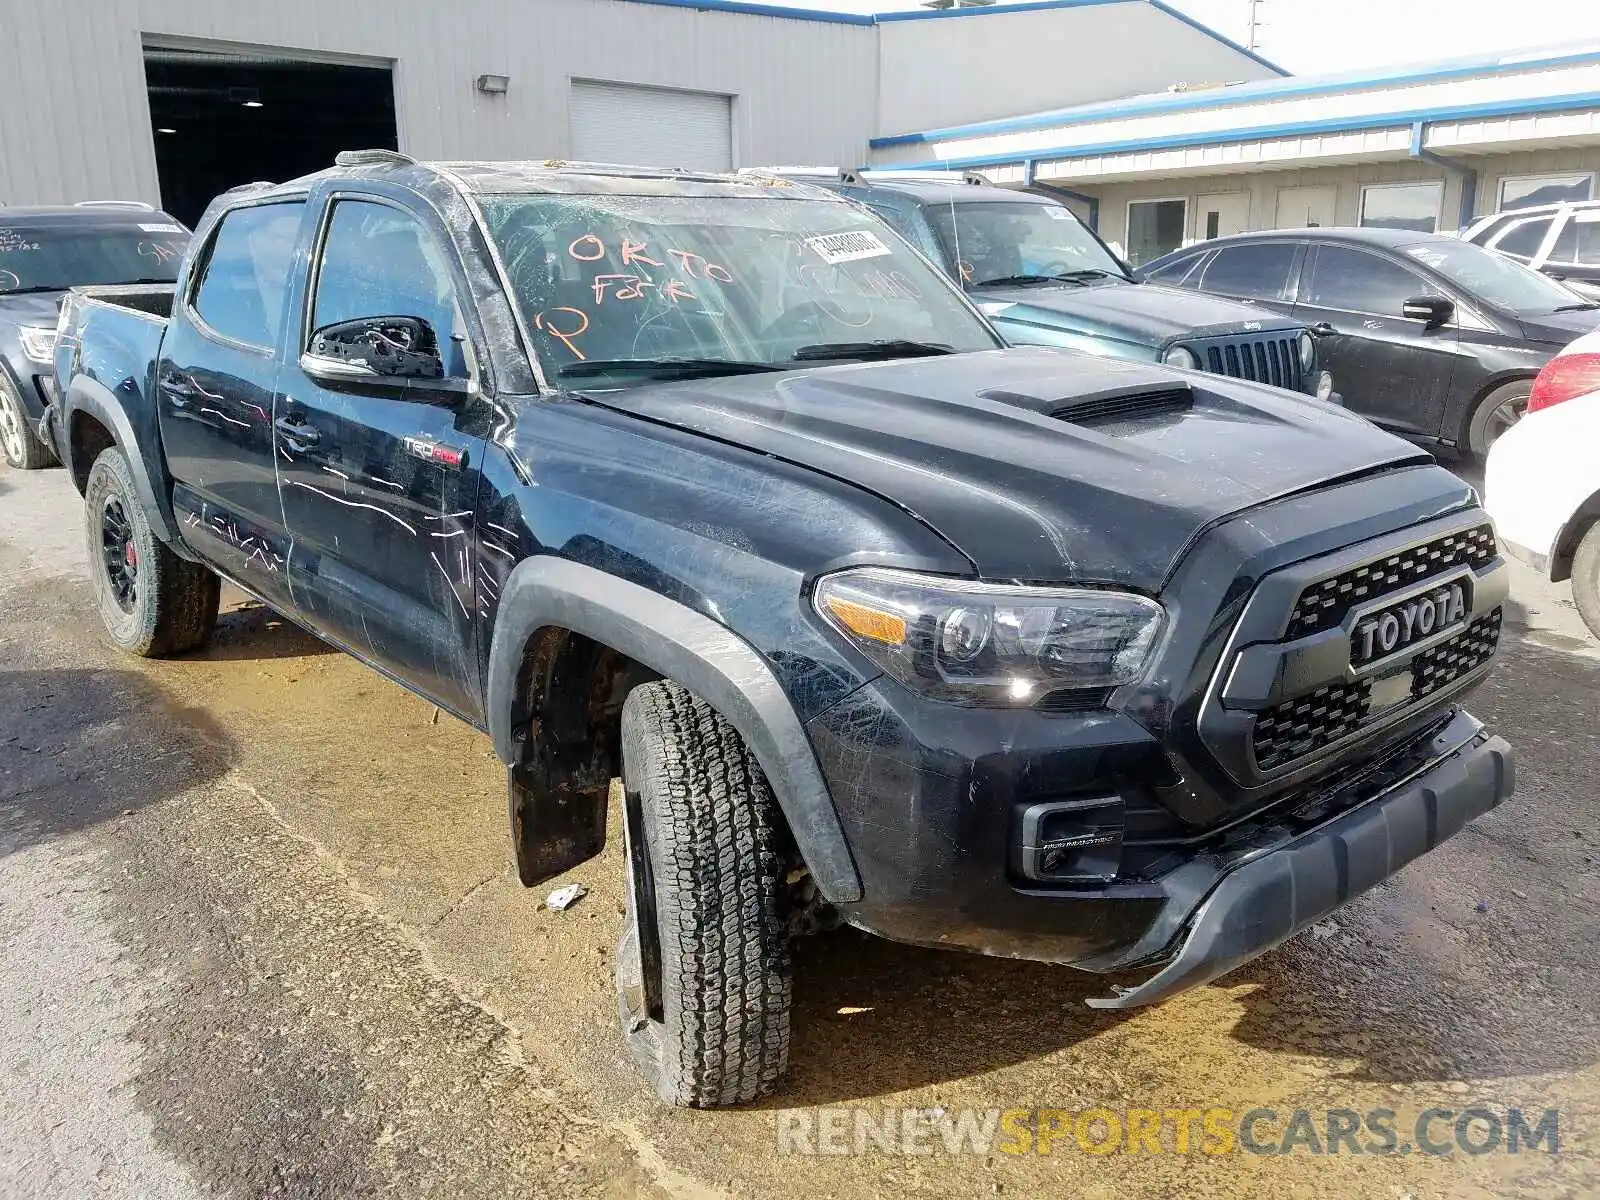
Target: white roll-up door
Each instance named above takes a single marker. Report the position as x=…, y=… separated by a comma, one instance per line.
x=653, y=127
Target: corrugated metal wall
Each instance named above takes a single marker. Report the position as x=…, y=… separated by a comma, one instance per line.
x=943, y=72
x=75, y=120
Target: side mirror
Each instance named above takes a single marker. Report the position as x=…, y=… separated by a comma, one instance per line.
x=394, y=353
x=1432, y=311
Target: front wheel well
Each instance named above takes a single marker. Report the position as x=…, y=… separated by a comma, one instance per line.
x=87, y=439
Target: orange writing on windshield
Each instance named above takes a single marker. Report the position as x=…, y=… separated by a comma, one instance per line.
x=565, y=336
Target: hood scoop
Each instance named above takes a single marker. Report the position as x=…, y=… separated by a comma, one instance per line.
x=1119, y=404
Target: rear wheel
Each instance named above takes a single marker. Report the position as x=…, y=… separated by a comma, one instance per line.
x=703, y=970
x=1586, y=578
x=19, y=443
x=1497, y=412
x=152, y=601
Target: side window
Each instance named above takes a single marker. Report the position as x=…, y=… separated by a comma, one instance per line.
x=1257, y=272
x=240, y=292
x=1356, y=281
x=378, y=261
x=906, y=223
x=1522, y=239
x=1180, y=273
x=1579, y=241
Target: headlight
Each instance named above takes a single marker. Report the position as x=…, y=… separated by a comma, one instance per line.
x=1178, y=356
x=990, y=644
x=1308, y=352
x=1325, y=385
x=38, y=343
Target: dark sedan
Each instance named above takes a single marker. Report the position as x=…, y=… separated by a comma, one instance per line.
x=44, y=252
x=1430, y=336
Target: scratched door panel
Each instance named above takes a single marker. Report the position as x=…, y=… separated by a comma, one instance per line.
x=384, y=550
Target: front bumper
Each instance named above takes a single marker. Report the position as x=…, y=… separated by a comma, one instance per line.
x=1264, y=899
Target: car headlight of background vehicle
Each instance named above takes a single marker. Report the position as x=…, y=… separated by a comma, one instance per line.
x=990, y=644
x=1308, y=352
x=1181, y=356
x=38, y=342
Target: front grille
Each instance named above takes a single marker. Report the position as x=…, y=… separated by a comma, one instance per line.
x=1449, y=661
x=1303, y=726
x=1274, y=359
x=1323, y=605
x=1300, y=727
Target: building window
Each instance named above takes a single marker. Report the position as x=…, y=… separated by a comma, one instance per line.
x=1155, y=227
x=1524, y=191
x=1413, y=206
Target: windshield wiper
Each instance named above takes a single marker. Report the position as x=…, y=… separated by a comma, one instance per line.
x=885, y=348
x=687, y=367
x=1078, y=277
x=1583, y=307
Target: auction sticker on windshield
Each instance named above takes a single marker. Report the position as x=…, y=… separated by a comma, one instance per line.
x=850, y=246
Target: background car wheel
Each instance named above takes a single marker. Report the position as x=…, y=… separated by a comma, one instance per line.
x=1586, y=578
x=21, y=446
x=152, y=601
x=703, y=969
x=1496, y=413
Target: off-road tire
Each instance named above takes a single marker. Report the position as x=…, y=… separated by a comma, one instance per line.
x=174, y=604
x=18, y=443
x=1481, y=430
x=1586, y=578
x=716, y=850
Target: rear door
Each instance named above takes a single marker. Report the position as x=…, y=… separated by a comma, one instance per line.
x=214, y=386
x=379, y=490
x=1388, y=368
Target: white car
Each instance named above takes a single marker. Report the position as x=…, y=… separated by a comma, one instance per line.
x=1542, y=479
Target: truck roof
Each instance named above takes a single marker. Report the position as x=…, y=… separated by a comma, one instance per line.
x=538, y=176
x=956, y=192
x=81, y=214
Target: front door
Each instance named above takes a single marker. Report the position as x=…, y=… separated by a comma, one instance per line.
x=379, y=490
x=1389, y=368
x=1222, y=214
x=1306, y=207
x=214, y=386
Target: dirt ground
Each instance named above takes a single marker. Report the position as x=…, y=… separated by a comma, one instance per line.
x=259, y=936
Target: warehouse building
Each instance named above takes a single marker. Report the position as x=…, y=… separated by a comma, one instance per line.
x=1427, y=148
x=173, y=100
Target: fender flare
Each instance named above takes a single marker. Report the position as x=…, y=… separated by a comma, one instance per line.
x=688, y=648
x=92, y=397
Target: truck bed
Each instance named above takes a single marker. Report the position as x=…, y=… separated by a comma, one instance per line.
x=150, y=300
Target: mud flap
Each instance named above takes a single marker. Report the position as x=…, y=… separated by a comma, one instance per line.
x=553, y=829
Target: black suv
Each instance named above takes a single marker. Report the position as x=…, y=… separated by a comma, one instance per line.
x=1044, y=278
x=1428, y=335
x=43, y=252
x=720, y=487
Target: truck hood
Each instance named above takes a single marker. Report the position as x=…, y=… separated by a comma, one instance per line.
x=1143, y=312
x=1028, y=460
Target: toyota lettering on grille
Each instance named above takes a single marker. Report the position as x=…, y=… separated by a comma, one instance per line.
x=1390, y=629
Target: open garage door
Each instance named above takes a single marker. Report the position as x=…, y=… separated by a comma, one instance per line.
x=221, y=119
x=655, y=127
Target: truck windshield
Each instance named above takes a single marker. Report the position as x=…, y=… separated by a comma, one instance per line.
x=1006, y=242
x=616, y=290
x=52, y=258
x=1494, y=278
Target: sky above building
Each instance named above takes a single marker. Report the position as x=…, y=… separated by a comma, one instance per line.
x=1312, y=37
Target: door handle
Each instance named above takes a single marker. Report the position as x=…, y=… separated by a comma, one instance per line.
x=297, y=433
x=1322, y=329
x=178, y=388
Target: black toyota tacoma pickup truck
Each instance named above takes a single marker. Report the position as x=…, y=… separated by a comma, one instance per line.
x=714, y=485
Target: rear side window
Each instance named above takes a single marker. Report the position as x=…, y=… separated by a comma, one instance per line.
x=1174, y=274
x=241, y=288
x=1258, y=272
x=1523, y=239
x=1355, y=281
x=1579, y=241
